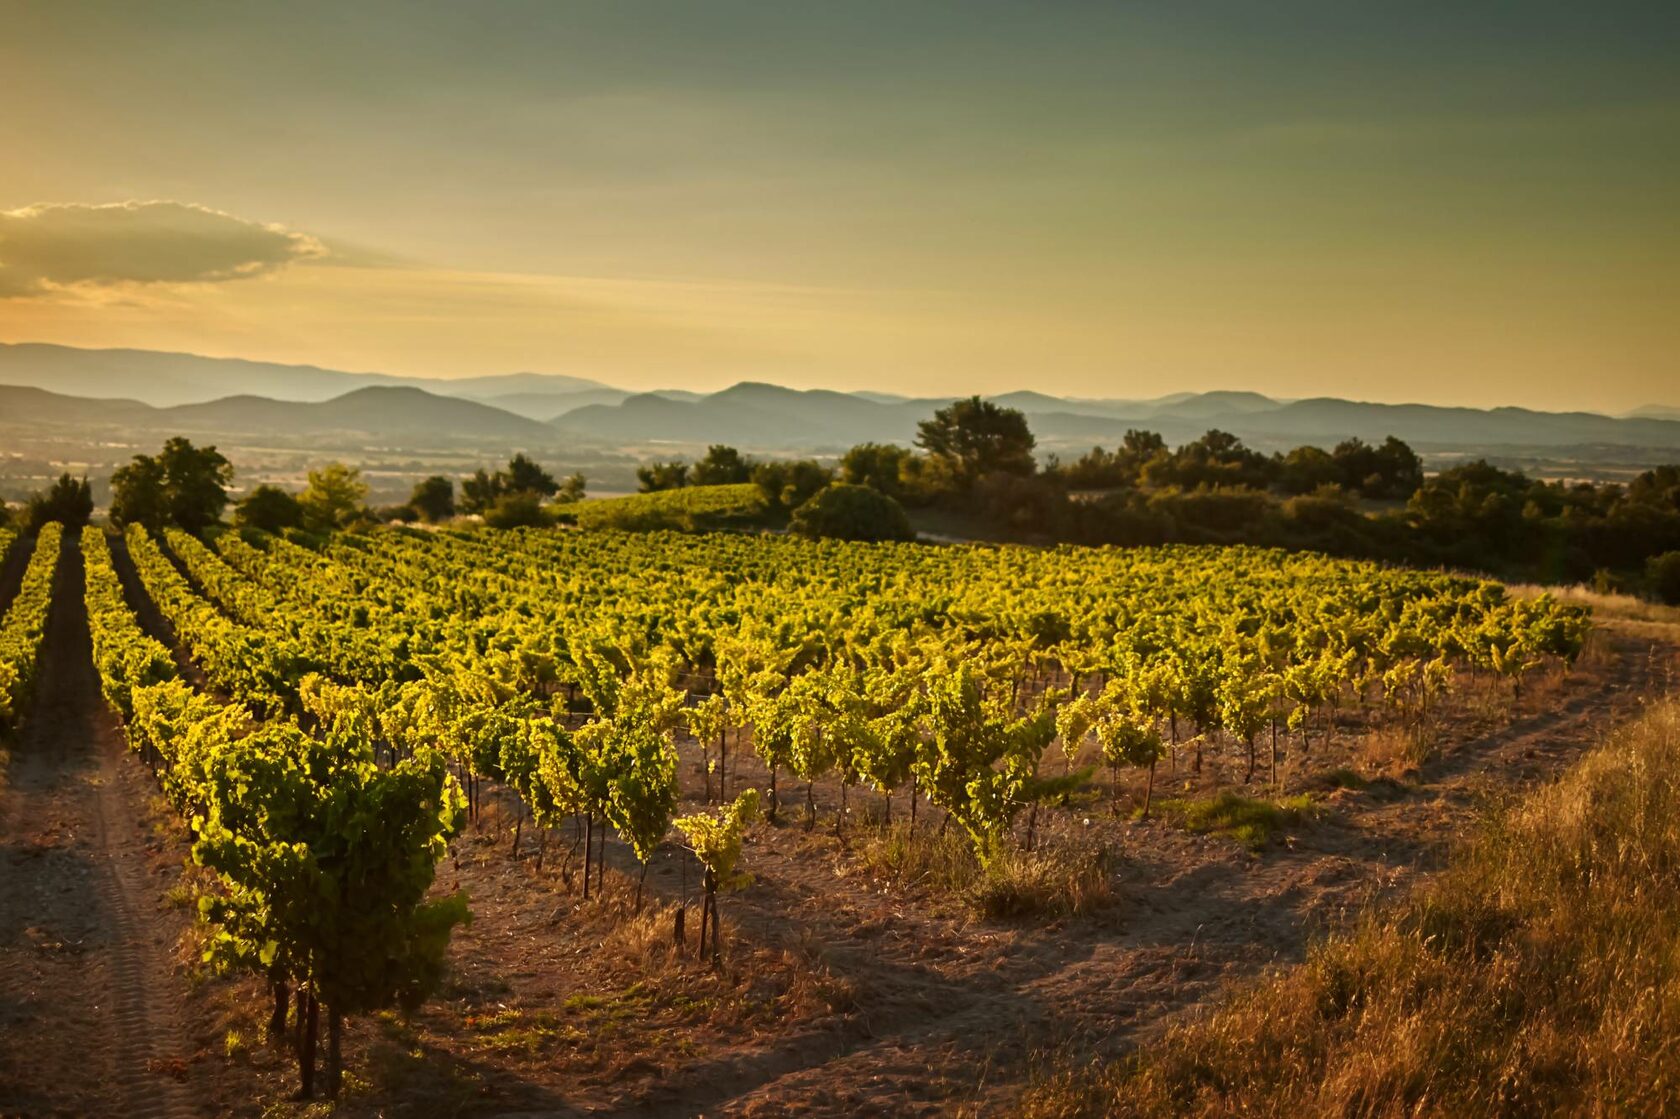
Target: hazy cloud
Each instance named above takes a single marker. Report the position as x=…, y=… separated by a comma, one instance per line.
x=48, y=247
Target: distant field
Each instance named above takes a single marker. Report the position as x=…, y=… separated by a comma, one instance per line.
x=693, y=507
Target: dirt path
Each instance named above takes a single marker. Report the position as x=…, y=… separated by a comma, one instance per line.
x=90, y=1015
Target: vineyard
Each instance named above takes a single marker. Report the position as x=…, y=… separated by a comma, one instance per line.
x=337, y=728
x=687, y=509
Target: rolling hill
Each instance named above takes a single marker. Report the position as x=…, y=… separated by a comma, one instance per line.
x=168, y=379
x=137, y=390
x=384, y=413
x=769, y=417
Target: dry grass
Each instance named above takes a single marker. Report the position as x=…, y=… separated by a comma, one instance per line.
x=1538, y=975
x=1397, y=750
x=1604, y=604
x=1058, y=878
x=1063, y=875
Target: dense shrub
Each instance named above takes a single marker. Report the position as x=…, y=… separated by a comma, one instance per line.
x=1663, y=572
x=847, y=512
x=520, y=509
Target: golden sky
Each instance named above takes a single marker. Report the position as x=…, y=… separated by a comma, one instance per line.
x=1380, y=202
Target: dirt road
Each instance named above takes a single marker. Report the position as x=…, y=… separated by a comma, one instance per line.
x=90, y=1018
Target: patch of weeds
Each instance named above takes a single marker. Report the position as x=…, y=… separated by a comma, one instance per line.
x=1056, y=879
x=1251, y=821
x=607, y=1013
x=1061, y=877
x=923, y=857
x=399, y=1029
x=1380, y=788
x=512, y=1030
x=699, y=1006
x=1344, y=777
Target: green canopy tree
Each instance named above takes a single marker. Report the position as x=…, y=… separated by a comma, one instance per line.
x=336, y=495
x=270, y=509
x=433, y=498
x=69, y=502
x=978, y=437
x=182, y=484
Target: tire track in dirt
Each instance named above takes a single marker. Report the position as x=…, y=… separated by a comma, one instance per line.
x=91, y=1021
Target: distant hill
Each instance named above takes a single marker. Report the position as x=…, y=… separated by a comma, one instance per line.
x=140, y=390
x=387, y=411
x=769, y=417
x=167, y=379
x=21, y=404
x=750, y=415
x=391, y=413
x=547, y=405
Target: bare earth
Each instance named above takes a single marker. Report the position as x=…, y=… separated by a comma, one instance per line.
x=92, y=1006
x=840, y=995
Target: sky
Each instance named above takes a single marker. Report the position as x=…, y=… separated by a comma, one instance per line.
x=1452, y=203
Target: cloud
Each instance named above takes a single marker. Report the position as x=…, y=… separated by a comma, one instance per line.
x=52, y=247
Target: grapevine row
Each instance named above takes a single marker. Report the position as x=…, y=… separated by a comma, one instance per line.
x=322, y=858
x=23, y=627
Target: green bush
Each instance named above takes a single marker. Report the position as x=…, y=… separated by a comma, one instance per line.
x=521, y=509
x=847, y=512
x=1663, y=572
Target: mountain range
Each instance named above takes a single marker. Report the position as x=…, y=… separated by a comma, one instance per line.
x=147, y=391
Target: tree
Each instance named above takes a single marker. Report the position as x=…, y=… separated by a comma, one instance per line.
x=269, y=508
x=1217, y=459
x=571, y=490
x=197, y=478
x=978, y=437
x=522, y=509
x=1664, y=574
x=1392, y=470
x=1306, y=469
x=69, y=502
x=1138, y=447
x=523, y=475
x=479, y=492
x=848, y=512
x=334, y=498
x=183, y=484
x=434, y=498
x=722, y=466
x=138, y=493
x=880, y=466
x=790, y=483
x=656, y=476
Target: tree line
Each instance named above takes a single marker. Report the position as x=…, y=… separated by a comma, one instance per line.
x=977, y=460
x=190, y=487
